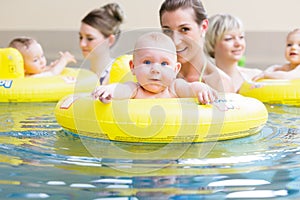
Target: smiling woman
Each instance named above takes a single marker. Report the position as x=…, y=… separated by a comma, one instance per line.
x=186, y=23
x=225, y=43
x=265, y=31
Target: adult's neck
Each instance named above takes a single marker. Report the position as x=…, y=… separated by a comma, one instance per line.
x=192, y=70
x=99, y=64
x=229, y=67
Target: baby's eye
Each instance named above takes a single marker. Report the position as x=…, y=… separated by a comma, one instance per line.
x=164, y=63
x=147, y=62
x=90, y=39
x=289, y=45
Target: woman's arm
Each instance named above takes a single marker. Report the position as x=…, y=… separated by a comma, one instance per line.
x=218, y=79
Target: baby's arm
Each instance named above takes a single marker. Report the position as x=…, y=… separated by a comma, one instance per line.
x=278, y=72
x=202, y=91
x=274, y=68
x=58, y=66
x=105, y=93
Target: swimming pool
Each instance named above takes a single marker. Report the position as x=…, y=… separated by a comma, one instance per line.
x=39, y=160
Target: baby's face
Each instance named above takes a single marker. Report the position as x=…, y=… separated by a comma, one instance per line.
x=292, y=50
x=34, y=59
x=155, y=69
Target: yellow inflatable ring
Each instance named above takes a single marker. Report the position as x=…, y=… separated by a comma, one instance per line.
x=161, y=120
x=47, y=89
x=273, y=91
x=14, y=87
x=120, y=70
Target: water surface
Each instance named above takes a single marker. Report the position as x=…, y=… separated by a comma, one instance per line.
x=39, y=160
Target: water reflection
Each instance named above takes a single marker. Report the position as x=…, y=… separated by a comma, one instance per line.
x=36, y=155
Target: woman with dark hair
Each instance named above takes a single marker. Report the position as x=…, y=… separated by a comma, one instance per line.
x=99, y=31
x=185, y=21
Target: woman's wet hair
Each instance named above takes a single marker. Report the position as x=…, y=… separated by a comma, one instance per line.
x=196, y=5
x=106, y=19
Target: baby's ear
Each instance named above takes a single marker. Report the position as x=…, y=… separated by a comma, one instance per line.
x=131, y=67
x=177, y=67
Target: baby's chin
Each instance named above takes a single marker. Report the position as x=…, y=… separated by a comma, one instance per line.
x=154, y=88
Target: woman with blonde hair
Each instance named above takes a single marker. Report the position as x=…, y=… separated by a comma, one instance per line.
x=225, y=43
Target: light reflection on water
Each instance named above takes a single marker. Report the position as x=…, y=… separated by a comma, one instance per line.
x=39, y=160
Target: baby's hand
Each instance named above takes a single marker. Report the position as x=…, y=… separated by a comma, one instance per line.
x=207, y=95
x=68, y=57
x=259, y=76
x=104, y=93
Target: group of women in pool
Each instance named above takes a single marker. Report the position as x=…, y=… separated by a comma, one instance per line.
x=208, y=49
x=167, y=64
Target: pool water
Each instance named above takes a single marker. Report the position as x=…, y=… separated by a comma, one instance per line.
x=39, y=160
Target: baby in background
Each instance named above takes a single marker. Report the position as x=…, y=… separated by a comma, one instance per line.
x=155, y=66
x=290, y=70
x=35, y=63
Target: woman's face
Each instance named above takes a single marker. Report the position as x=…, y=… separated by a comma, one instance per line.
x=187, y=35
x=231, y=46
x=90, y=38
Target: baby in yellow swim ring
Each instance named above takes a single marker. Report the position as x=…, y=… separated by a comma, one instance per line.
x=155, y=66
x=290, y=70
x=35, y=63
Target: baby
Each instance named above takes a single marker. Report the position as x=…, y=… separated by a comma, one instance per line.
x=155, y=66
x=290, y=70
x=35, y=63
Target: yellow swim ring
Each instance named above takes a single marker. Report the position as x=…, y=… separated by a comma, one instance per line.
x=161, y=120
x=120, y=70
x=14, y=87
x=11, y=63
x=273, y=91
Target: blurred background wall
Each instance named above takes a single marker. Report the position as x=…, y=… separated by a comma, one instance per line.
x=55, y=23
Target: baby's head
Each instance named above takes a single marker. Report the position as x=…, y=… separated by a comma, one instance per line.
x=220, y=25
x=292, y=50
x=155, y=60
x=32, y=52
x=155, y=41
x=294, y=31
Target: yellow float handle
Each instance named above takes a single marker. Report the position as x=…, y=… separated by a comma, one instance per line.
x=11, y=63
